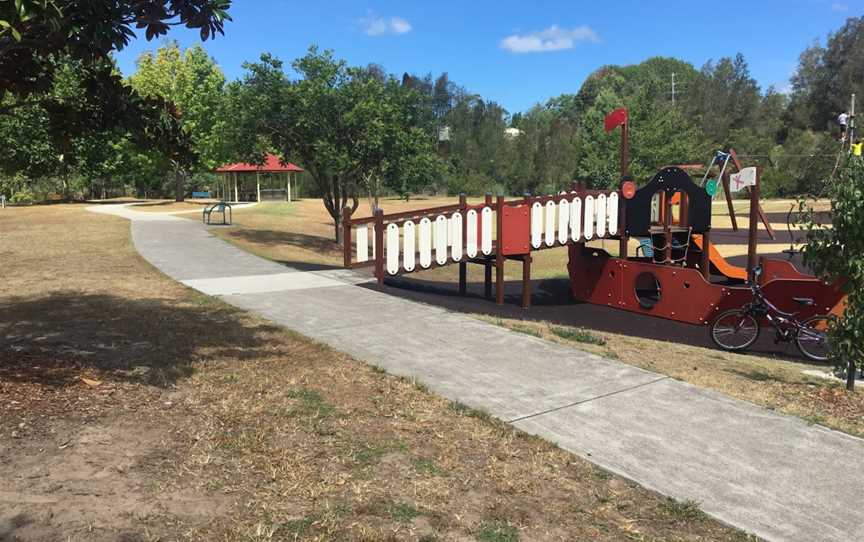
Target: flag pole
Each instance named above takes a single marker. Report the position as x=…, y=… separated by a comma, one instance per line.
x=625, y=149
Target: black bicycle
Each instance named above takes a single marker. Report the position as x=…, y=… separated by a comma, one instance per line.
x=737, y=329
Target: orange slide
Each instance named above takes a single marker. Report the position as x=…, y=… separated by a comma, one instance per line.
x=719, y=262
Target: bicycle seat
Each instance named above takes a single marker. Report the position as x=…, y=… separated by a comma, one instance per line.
x=806, y=301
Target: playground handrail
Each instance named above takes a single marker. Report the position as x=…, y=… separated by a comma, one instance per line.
x=508, y=224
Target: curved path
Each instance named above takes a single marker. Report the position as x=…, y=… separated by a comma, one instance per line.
x=773, y=475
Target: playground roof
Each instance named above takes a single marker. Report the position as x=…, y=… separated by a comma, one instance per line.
x=272, y=164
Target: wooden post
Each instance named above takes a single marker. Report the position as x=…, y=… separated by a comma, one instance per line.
x=346, y=236
x=487, y=264
x=379, y=246
x=526, y=281
x=724, y=181
x=705, y=260
x=754, y=222
x=526, y=264
x=622, y=224
x=463, y=264
x=762, y=215
x=499, y=250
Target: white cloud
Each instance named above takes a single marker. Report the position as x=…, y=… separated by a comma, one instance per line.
x=374, y=25
x=837, y=6
x=553, y=38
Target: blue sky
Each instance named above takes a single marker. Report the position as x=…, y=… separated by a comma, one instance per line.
x=522, y=53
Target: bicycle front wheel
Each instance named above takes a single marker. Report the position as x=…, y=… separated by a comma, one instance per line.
x=812, y=338
x=734, y=330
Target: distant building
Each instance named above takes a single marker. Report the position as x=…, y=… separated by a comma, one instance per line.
x=512, y=133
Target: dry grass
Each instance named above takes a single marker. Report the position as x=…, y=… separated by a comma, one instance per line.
x=198, y=421
x=774, y=383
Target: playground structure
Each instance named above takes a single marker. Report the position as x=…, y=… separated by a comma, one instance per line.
x=675, y=274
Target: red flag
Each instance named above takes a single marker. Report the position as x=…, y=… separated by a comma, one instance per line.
x=615, y=119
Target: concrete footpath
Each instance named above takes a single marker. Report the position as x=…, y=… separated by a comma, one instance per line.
x=772, y=475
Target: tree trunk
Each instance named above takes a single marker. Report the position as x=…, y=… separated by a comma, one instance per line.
x=850, y=375
x=179, y=184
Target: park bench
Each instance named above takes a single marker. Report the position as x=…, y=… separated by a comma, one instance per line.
x=222, y=208
x=200, y=195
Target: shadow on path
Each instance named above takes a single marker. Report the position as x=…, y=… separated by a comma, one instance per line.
x=552, y=303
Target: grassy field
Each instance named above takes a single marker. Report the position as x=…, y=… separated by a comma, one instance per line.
x=136, y=409
x=301, y=234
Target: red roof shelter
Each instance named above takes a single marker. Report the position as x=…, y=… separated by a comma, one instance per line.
x=276, y=183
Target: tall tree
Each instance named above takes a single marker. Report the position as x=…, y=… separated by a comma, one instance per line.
x=192, y=82
x=391, y=132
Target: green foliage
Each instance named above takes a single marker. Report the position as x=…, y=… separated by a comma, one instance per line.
x=837, y=253
x=404, y=512
x=497, y=532
x=193, y=83
x=32, y=32
x=23, y=196
x=355, y=130
x=577, y=334
x=827, y=76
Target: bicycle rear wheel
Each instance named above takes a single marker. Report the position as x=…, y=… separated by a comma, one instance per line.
x=812, y=338
x=734, y=330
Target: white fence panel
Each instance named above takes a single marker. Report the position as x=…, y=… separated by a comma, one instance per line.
x=588, y=225
x=441, y=227
x=576, y=219
x=456, y=236
x=550, y=223
x=362, y=234
x=425, y=243
x=471, y=233
x=536, y=224
x=600, y=209
x=563, y=220
x=392, y=249
x=409, y=234
x=486, y=231
x=612, y=213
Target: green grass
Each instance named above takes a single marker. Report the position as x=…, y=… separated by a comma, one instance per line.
x=404, y=512
x=526, y=330
x=578, y=335
x=426, y=466
x=311, y=404
x=370, y=454
x=465, y=410
x=683, y=510
x=299, y=526
x=497, y=532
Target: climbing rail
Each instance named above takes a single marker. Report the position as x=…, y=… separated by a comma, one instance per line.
x=487, y=233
